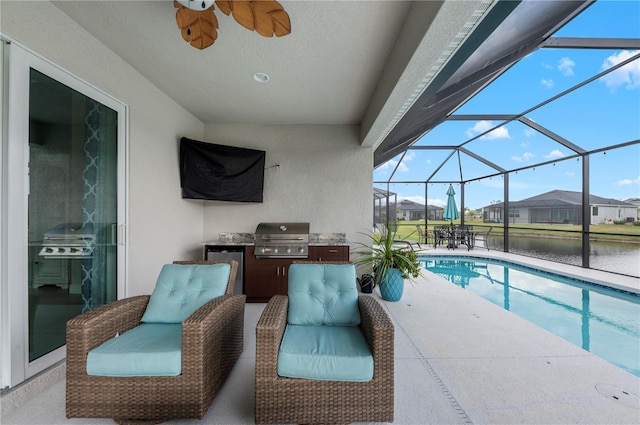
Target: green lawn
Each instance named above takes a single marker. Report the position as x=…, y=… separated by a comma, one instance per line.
x=615, y=232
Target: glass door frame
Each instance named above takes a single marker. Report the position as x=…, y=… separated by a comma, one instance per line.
x=15, y=186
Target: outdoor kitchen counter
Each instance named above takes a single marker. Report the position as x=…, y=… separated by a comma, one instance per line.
x=261, y=278
x=248, y=239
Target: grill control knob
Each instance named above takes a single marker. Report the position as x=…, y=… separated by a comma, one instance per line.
x=61, y=250
x=288, y=250
x=301, y=250
x=275, y=250
x=262, y=250
x=73, y=250
x=48, y=250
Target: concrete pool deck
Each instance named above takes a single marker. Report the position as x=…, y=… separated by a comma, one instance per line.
x=458, y=359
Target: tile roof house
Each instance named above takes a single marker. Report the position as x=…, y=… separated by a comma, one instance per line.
x=409, y=210
x=561, y=207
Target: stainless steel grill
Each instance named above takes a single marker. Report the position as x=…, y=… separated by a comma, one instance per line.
x=282, y=240
x=68, y=241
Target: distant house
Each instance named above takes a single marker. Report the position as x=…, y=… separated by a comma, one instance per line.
x=636, y=202
x=411, y=211
x=561, y=207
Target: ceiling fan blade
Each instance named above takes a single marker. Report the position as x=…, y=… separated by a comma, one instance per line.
x=266, y=17
x=198, y=27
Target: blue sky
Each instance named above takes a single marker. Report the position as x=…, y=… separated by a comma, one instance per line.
x=605, y=112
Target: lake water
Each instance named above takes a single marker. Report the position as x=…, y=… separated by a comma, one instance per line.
x=623, y=258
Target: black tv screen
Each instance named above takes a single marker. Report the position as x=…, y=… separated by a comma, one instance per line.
x=220, y=173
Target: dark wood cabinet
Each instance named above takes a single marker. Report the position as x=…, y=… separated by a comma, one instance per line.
x=266, y=277
x=329, y=253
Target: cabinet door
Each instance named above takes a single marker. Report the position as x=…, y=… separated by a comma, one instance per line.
x=329, y=253
x=264, y=277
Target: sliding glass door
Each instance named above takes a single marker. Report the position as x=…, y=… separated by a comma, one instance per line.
x=66, y=210
x=72, y=208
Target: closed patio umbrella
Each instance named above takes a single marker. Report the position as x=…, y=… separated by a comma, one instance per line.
x=451, y=211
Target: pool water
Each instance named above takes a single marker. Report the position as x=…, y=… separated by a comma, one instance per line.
x=603, y=321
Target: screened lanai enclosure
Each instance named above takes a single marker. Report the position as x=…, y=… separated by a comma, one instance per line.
x=541, y=143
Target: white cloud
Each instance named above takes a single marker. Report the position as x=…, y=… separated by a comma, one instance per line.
x=525, y=157
x=548, y=83
x=387, y=165
x=529, y=132
x=627, y=76
x=554, y=154
x=391, y=165
x=482, y=126
x=628, y=182
x=569, y=173
x=437, y=202
x=547, y=66
x=565, y=66
x=403, y=165
x=416, y=198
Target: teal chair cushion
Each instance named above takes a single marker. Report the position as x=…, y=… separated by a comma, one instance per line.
x=182, y=289
x=151, y=349
x=323, y=294
x=334, y=353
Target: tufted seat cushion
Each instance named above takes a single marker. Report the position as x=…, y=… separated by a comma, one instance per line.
x=333, y=353
x=323, y=294
x=182, y=289
x=151, y=349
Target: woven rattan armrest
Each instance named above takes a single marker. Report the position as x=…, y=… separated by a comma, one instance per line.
x=269, y=331
x=378, y=330
x=87, y=331
x=208, y=329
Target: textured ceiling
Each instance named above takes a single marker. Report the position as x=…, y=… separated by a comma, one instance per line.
x=393, y=67
x=324, y=72
x=345, y=62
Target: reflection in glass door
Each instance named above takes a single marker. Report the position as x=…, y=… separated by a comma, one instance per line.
x=72, y=209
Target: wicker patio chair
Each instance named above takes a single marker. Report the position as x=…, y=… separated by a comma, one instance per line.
x=282, y=399
x=212, y=340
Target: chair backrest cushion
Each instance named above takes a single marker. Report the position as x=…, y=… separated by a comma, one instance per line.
x=323, y=294
x=182, y=289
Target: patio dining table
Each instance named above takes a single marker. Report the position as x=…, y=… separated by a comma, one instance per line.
x=456, y=235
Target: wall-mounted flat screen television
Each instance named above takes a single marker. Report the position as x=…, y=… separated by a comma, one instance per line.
x=220, y=173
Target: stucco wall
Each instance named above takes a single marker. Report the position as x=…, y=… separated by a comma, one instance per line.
x=324, y=178
x=162, y=226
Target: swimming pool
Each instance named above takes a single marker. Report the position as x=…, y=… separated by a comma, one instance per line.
x=603, y=321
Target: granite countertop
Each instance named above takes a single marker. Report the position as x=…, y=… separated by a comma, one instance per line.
x=248, y=239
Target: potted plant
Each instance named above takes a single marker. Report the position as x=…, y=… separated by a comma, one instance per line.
x=392, y=262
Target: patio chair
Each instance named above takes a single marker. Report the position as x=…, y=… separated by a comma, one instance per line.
x=465, y=235
x=400, y=243
x=484, y=237
x=422, y=236
x=192, y=324
x=323, y=353
x=441, y=234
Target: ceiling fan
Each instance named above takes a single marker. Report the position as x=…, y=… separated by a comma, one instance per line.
x=199, y=25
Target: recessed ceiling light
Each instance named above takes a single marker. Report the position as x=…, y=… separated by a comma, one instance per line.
x=261, y=77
